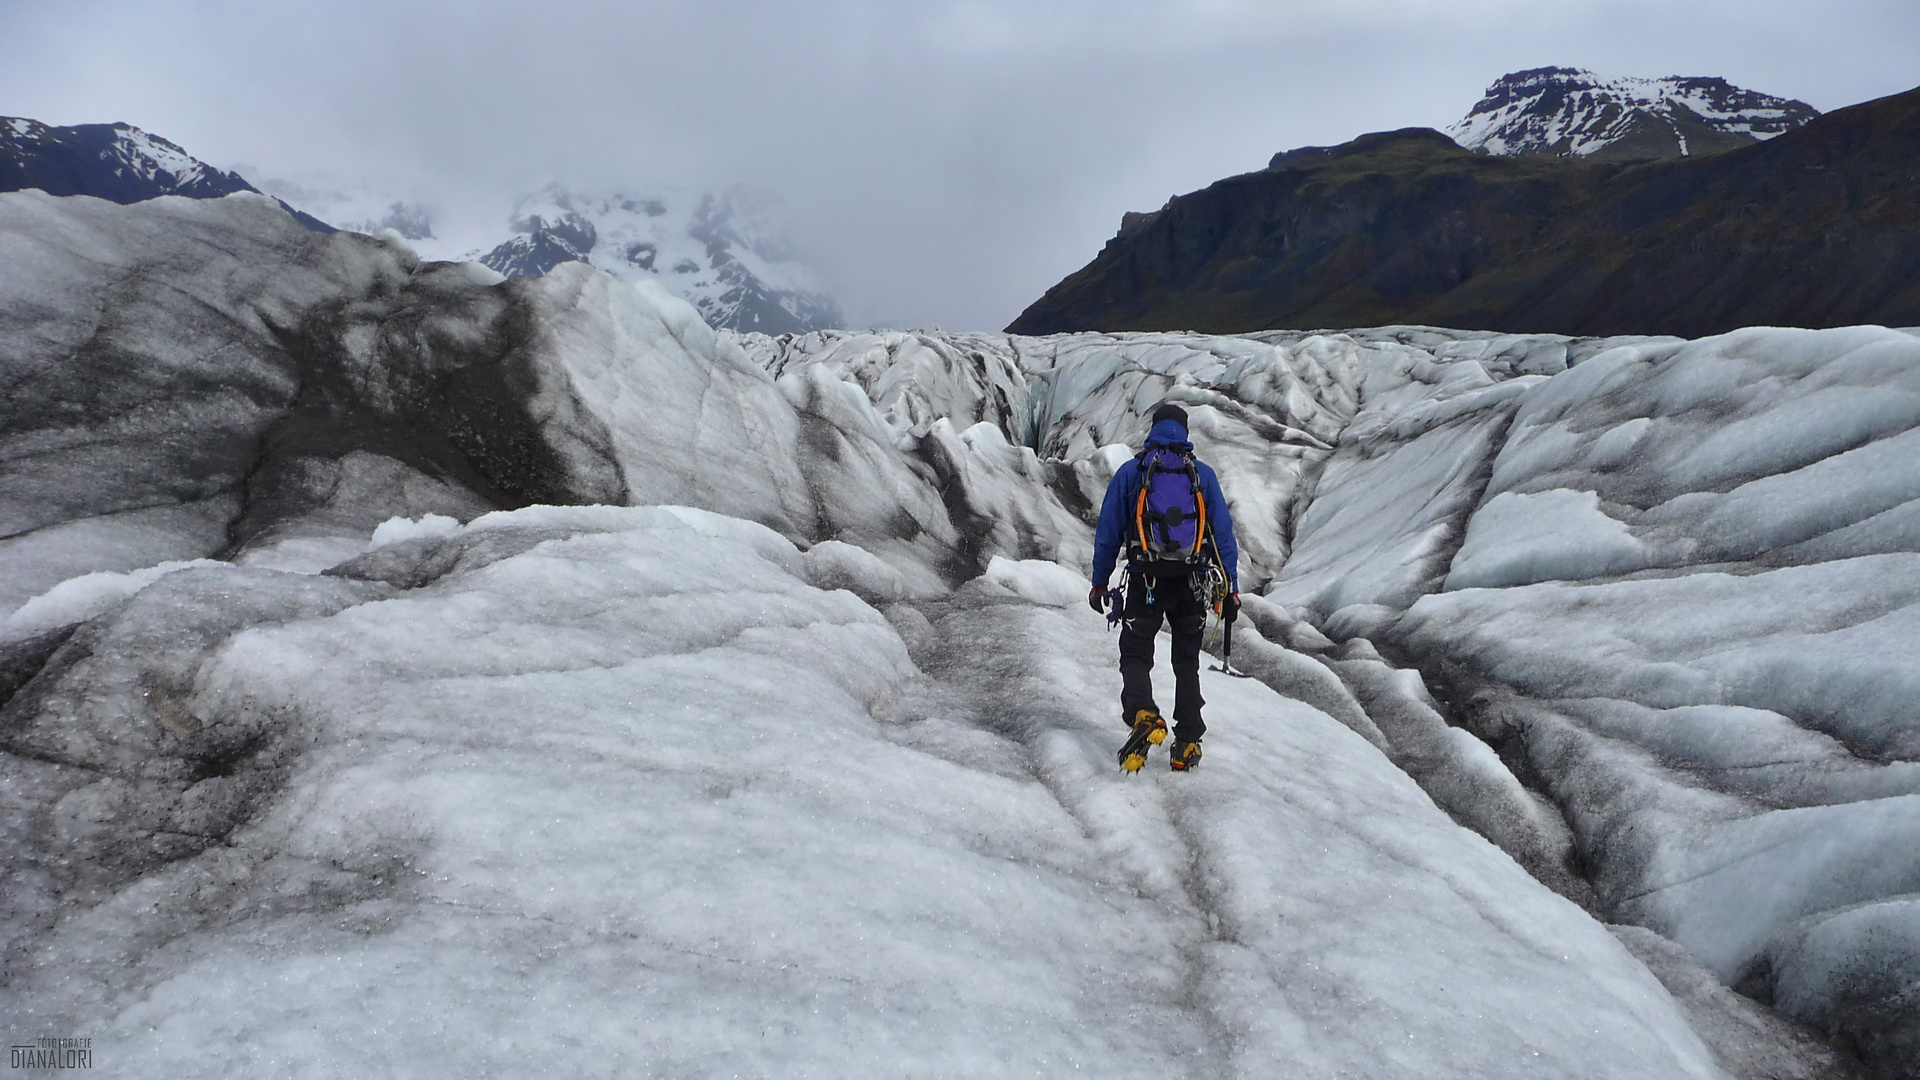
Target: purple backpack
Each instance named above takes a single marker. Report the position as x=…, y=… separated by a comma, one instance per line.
x=1170, y=517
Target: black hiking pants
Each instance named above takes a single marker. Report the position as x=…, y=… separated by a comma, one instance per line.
x=1175, y=598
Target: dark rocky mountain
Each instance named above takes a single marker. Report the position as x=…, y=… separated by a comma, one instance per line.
x=543, y=245
x=1817, y=227
x=116, y=162
x=1567, y=112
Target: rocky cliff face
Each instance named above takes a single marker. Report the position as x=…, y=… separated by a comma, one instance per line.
x=1567, y=112
x=1813, y=228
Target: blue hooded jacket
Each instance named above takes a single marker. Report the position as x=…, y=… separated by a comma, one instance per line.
x=1111, y=534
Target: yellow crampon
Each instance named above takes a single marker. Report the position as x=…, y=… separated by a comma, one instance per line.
x=1148, y=732
x=1132, y=761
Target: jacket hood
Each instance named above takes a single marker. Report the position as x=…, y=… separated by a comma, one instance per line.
x=1171, y=434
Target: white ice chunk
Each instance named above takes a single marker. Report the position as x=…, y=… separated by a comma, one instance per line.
x=1379, y=526
x=1830, y=645
x=302, y=554
x=1550, y=535
x=81, y=598
x=1861, y=956
x=1032, y=579
x=38, y=560
x=395, y=529
x=1732, y=888
x=835, y=565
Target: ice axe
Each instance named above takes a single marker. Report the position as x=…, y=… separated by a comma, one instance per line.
x=1226, y=653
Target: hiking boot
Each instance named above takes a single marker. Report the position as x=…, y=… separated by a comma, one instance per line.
x=1148, y=732
x=1185, y=756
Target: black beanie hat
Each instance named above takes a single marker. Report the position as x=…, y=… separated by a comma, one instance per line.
x=1170, y=411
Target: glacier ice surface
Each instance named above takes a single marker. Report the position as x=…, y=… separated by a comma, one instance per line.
x=638, y=795
x=430, y=741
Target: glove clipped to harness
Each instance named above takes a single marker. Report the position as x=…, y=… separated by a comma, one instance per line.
x=1230, y=607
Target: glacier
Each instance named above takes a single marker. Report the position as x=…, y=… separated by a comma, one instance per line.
x=407, y=667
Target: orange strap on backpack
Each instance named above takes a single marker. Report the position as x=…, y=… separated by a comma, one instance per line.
x=1199, y=502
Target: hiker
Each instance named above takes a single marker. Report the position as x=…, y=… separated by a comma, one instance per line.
x=1166, y=508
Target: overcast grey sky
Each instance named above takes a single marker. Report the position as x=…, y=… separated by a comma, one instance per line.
x=943, y=161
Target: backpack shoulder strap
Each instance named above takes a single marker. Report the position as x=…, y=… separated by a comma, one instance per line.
x=1149, y=466
x=1199, y=502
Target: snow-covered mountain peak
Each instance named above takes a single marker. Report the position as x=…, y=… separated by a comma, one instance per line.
x=1570, y=112
x=721, y=250
x=117, y=161
x=150, y=155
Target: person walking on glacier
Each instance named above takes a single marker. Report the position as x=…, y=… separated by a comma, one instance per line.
x=1166, y=509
